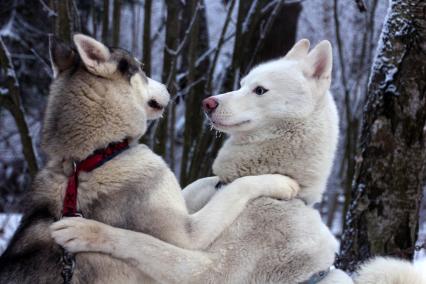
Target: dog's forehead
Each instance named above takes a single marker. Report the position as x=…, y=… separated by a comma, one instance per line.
x=272, y=69
x=127, y=64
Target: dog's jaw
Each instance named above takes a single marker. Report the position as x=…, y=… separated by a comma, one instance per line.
x=228, y=127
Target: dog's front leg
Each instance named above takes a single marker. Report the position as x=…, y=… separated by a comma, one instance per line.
x=225, y=206
x=161, y=261
x=198, y=193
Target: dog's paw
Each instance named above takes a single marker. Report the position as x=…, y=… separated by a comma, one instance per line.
x=292, y=187
x=78, y=234
x=281, y=187
x=273, y=185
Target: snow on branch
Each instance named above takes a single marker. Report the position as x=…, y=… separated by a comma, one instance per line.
x=50, y=11
x=7, y=66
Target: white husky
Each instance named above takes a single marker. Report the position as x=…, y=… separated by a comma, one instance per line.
x=283, y=121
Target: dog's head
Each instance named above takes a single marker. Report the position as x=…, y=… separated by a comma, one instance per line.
x=99, y=95
x=284, y=89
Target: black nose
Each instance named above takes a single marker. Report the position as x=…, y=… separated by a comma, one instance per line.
x=155, y=105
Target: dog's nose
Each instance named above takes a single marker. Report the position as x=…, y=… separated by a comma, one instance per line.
x=210, y=104
x=155, y=105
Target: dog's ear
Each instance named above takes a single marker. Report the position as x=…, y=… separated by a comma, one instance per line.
x=62, y=56
x=299, y=50
x=319, y=62
x=94, y=54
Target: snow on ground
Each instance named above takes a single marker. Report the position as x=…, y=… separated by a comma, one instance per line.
x=8, y=224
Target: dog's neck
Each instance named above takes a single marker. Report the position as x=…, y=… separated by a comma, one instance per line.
x=278, y=130
x=86, y=113
x=244, y=155
x=270, y=150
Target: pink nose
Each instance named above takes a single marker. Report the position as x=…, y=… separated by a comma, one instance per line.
x=210, y=104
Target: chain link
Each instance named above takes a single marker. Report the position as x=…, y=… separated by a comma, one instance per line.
x=68, y=265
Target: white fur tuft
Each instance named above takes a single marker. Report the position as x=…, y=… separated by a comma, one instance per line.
x=386, y=270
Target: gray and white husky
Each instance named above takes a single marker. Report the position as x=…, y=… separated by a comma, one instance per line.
x=282, y=120
x=101, y=96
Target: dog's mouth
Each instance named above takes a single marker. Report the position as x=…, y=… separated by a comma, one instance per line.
x=155, y=105
x=223, y=125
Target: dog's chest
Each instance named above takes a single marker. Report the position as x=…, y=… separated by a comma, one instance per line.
x=234, y=161
x=294, y=158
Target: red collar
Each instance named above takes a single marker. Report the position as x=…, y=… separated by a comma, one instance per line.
x=97, y=159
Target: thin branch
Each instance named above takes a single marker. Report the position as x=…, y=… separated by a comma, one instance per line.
x=249, y=16
x=159, y=30
x=179, y=49
x=264, y=31
x=50, y=11
x=203, y=56
x=219, y=47
x=361, y=5
x=15, y=107
x=42, y=60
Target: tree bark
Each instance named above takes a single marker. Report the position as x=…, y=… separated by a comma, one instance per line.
x=105, y=22
x=390, y=171
x=64, y=26
x=146, y=57
x=116, y=20
x=174, y=10
x=198, y=44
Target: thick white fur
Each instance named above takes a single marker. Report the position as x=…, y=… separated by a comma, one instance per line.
x=386, y=270
x=292, y=129
x=337, y=276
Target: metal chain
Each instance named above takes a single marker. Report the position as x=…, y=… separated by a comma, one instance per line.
x=68, y=265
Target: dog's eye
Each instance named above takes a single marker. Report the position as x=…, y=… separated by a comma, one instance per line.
x=259, y=90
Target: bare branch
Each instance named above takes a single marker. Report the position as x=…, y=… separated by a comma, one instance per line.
x=15, y=107
x=219, y=47
x=361, y=5
x=178, y=50
x=50, y=11
x=265, y=30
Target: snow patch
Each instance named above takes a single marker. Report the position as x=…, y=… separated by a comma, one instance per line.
x=3, y=91
x=8, y=225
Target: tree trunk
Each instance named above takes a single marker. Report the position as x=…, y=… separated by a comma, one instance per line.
x=391, y=170
x=198, y=44
x=116, y=19
x=174, y=9
x=105, y=22
x=64, y=20
x=146, y=57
